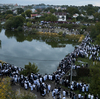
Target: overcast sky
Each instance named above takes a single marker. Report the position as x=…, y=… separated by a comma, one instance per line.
x=52, y=2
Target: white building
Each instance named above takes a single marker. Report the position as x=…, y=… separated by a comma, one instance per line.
x=33, y=10
x=75, y=15
x=91, y=17
x=61, y=16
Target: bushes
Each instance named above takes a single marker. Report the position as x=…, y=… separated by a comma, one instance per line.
x=60, y=33
x=83, y=72
x=30, y=68
x=69, y=26
x=29, y=24
x=19, y=28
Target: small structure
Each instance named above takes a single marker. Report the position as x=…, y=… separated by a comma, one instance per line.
x=91, y=17
x=75, y=15
x=35, y=15
x=61, y=16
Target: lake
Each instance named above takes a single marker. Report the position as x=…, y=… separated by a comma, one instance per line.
x=46, y=53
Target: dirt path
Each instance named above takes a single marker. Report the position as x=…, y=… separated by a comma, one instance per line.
x=19, y=89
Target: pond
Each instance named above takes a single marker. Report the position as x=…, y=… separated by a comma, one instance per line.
x=45, y=52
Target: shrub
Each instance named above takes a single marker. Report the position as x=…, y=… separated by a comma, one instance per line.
x=19, y=28
x=60, y=33
x=30, y=68
x=29, y=24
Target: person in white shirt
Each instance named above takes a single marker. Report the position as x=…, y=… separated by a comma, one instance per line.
x=49, y=87
x=92, y=96
x=64, y=97
x=64, y=93
x=25, y=86
x=89, y=96
x=79, y=96
x=53, y=94
x=31, y=87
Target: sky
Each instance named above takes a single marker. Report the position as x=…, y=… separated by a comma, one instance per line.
x=52, y=2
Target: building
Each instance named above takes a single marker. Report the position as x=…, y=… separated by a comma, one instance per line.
x=91, y=17
x=61, y=16
x=35, y=15
x=75, y=15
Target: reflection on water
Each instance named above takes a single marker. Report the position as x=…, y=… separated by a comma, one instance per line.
x=0, y=43
x=50, y=40
x=45, y=51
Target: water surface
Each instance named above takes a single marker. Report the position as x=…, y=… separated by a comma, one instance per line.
x=20, y=53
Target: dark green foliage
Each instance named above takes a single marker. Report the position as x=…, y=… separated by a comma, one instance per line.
x=81, y=32
x=28, y=13
x=8, y=24
x=9, y=16
x=18, y=21
x=9, y=12
x=19, y=28
x=90, y=10
x=95, y=30
x=23, y=14
x=51, y=17
x=30, y=68
x=19, y=10
x=72, y=10
x=14, y=22
x=29, y=24
x=83, y=72
x=97, y=16
x=95, y=80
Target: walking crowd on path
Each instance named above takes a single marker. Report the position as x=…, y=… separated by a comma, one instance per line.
x=38, y=82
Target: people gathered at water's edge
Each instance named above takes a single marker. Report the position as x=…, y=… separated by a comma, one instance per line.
x=38, y=82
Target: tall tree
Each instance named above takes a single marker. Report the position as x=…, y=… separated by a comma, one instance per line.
x=9, y=12
x=23, y=14
x=19, y=10
x=28, y=13
x=8, y=25
x=18, y=21
x=72, y=10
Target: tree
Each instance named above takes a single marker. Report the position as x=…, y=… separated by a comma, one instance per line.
x=97, y=16
x=9, y=12
x=30, y=68
x=8, y=24
x=95, y=79
x=90, y=9
x=53, y=10
x=28, y=13
x=19, y=10
x=18, y=21
x=98, y=39
x=95, y=30
x=72, y=10
x=23, y=14
x=29, y=24
x=8, y=16
x=14, y=22
x=50, y=17
x=38, y=11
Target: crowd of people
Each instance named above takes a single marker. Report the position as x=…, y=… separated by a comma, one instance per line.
x=38, y=82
